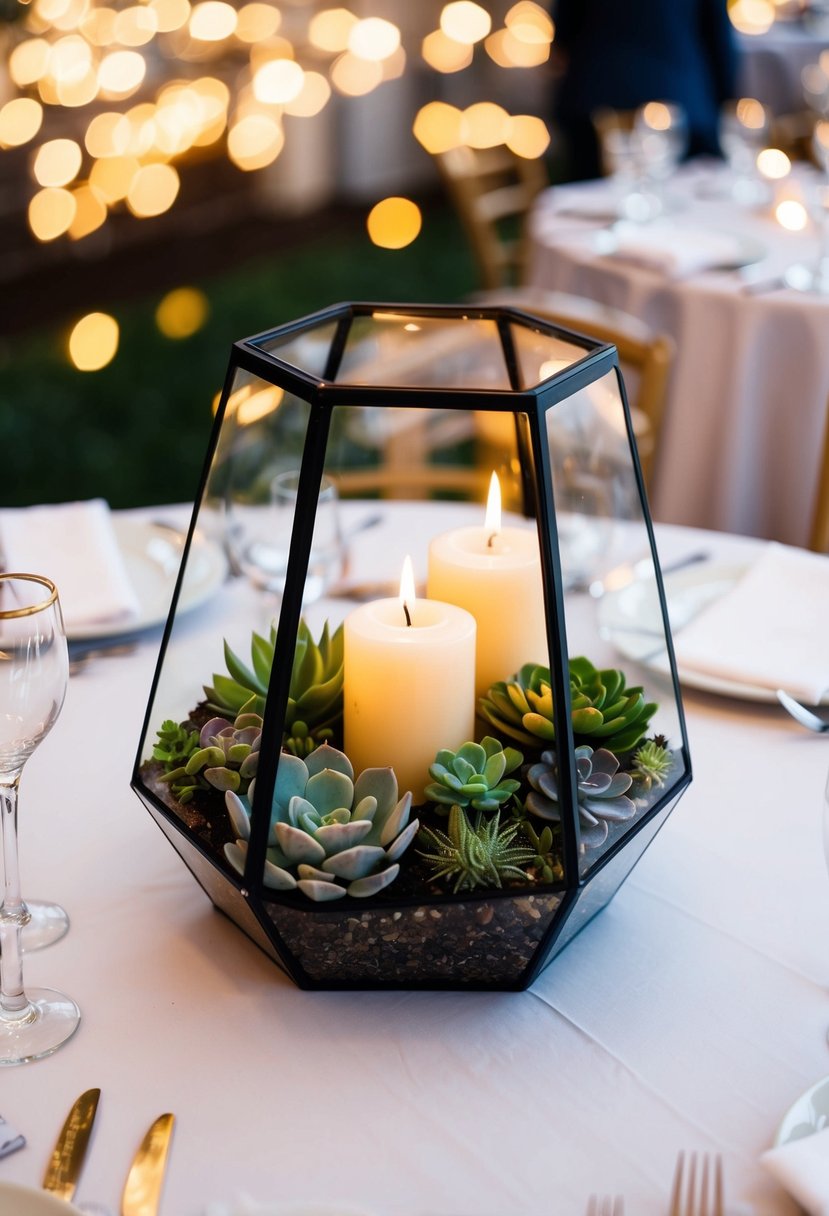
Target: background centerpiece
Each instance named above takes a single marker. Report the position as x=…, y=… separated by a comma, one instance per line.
x=438, y=786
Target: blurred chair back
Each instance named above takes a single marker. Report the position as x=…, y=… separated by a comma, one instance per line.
x=492, y=190
x=819, y=540
x=645, y=357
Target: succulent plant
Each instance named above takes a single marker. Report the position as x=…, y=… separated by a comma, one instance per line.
x=479, y=855
x=603, y=709
x=175, y=744
x=329, y=835
x=226, y=758
x=546, y=865
x=474, y=775
x=601, y=791
x=315, y=697
x=652, y=762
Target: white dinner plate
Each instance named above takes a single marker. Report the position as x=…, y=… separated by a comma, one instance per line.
x=152, y=556
x=809, y=1114
x=747, y=249
x=18, y=1200
x=629, y=618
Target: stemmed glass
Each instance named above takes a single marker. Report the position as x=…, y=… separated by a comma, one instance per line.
x=744, y=130
x=34, y=671
x=661, y=133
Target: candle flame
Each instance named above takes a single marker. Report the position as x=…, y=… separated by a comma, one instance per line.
x=407, y=588
x=492, y=519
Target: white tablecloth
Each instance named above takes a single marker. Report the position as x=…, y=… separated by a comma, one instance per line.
x=770, y=64
x=748, y=396
x=689, y=1014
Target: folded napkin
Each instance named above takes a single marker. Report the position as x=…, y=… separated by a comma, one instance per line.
x=770, y=630
x=675, y=251
x=74, y=545
x=10, y=1138
x=802, y=1168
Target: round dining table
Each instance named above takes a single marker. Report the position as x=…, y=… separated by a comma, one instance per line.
x=747, y=400
x=689, y=1015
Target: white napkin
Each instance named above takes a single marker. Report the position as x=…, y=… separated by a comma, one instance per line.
x=73, y=544
x=802, y=1167
x=770, y=630
x=675, y=251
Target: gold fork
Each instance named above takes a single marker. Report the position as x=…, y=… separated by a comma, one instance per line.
x=605, y=1205
x=703, y=1187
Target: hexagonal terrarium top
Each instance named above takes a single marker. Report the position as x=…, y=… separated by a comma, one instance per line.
x=410, y=747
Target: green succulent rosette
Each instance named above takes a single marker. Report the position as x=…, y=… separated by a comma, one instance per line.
x=604, y=711
x=475, y=775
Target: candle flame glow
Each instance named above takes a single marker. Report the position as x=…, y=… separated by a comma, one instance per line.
x=407, y=588
x=492, y=519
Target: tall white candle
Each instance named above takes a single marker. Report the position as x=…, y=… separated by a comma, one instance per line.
x=494, y=573
x=408, y=688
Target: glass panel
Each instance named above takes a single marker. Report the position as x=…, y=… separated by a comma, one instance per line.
x=625, y=716
x=307, y=350
x=541, y=355
x=223, y=672
x=411, y=351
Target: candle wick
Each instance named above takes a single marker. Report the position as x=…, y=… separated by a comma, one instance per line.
x=406, y=613
x=491, y=540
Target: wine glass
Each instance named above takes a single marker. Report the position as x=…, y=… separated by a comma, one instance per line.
x=259, y=537
x=34, y=671
x=661, y=132
x=744, y=130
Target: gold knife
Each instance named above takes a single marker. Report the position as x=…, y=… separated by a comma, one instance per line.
x=142, y=1189
x=64, y=1166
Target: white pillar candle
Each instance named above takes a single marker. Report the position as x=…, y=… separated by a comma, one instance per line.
x=408, y=689
x=494, y=573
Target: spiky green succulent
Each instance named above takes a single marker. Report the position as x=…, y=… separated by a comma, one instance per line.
x=603, y=709
x=547, y=864
x=475, y=775
x=601, y=791
x=652, y=762
x=174, y=744
x=225, y=758
x=315, y=696
x=482, y=854
x=330, y=835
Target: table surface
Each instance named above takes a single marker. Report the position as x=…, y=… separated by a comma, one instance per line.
x=747, y=401
x=689, y=1015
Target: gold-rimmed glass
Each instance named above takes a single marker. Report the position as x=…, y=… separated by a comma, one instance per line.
x=34, y=671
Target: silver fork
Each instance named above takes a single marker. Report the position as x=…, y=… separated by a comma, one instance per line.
x=801, y=714
x=701, y=1192
x=605, y=1205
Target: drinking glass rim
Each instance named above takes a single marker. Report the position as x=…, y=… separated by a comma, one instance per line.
x=7, y=614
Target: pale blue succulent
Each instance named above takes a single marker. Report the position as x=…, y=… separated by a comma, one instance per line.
x=330, y=835
x=601, y=791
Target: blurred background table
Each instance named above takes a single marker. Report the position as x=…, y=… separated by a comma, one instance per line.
x=689, y=1014
x=746, y=406
x=771, y=63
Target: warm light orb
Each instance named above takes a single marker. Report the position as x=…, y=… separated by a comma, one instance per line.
x=51, y=211
x=751, y=16
x=90, y=212
x=484, y=125
x=508, y=51
x=407, y=594
x=98, y=26
x=528, y=22
x=135, y=26
x=29, y=61
x=355, y=77
x=257, y=21
x=373, y=39
x=791, y=215
x=465, y=21
x=212, y=21
x=444, y=54
x=527, y=136
x=330, y=29
x=120, y=73
x=437, y=126
x=112, y=177
x=492, y=518
x=278, y=81
x=773, y=164
x=153, y=190
x=57, y=162
x=80, y=92
x=20, y=121
x=750, y=113
x=171, y=15
x=394, y=223
x=182, y=312
x=93, y=342
x=255, y=141
x=312, y=98
x=108, y=134
x=70, y=59
x=657, y=116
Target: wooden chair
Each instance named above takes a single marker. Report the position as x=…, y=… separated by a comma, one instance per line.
x=645, y=357
x=492, y=190
x=819, y=539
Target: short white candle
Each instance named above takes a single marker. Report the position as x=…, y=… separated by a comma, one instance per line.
x=494, y=573
x=408, y=689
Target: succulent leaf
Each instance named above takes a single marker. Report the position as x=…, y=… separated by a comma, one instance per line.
x=601, y=792
x=474, y=775
x=475, y=856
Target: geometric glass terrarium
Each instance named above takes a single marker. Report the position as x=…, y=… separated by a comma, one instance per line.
x=432, y=719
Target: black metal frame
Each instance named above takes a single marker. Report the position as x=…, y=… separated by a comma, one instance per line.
x=529, y=406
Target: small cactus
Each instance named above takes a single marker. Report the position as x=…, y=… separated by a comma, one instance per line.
x=483, y=855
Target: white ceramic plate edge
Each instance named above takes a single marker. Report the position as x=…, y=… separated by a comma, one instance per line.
x=18, y=1200
x=798, y=1114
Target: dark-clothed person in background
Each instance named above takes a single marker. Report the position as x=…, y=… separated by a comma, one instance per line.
x=624, y=53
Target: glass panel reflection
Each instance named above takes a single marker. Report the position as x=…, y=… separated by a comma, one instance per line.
x=414, y=351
